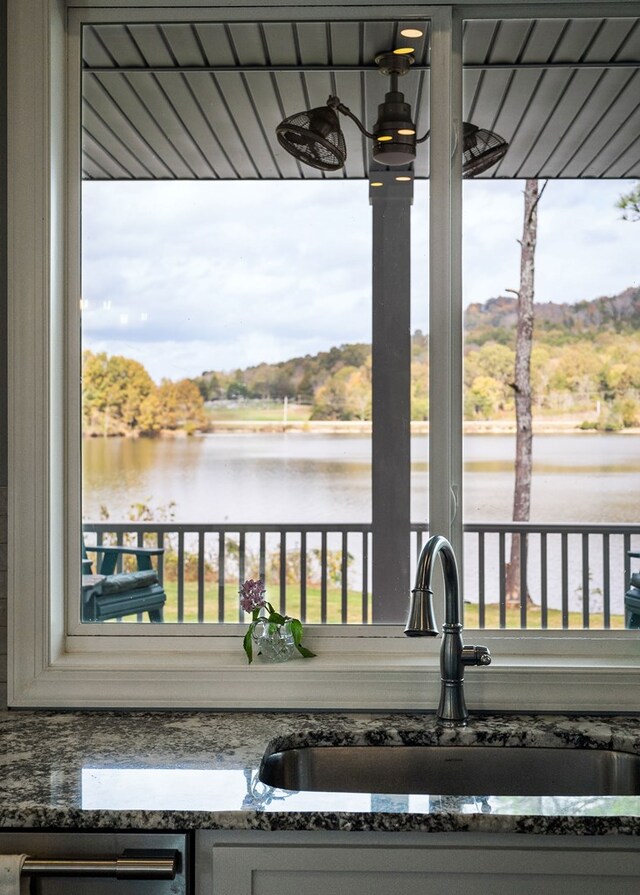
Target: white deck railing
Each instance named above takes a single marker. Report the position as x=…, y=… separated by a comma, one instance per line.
x=574, y=575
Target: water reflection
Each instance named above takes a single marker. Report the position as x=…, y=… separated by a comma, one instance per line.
x=302, y=477
x=189, y=789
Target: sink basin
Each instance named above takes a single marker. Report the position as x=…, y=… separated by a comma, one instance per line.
x=454, y=770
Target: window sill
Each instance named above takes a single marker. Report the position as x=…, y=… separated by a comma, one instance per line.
x=575, y=673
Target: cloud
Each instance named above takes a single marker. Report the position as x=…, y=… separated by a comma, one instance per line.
x=188, y=276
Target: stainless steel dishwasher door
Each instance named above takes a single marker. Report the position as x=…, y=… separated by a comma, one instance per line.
x=89, y=845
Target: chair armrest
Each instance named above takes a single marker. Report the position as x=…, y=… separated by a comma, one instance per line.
x=110, y=556
x=134, y=551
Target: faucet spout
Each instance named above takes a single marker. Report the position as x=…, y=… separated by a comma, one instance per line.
x=454, y=655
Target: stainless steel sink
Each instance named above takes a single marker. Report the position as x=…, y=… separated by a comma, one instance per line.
x=454, y=770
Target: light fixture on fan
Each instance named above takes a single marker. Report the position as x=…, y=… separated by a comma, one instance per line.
x=315, y=137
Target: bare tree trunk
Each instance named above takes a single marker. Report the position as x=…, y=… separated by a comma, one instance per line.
x=522, y=389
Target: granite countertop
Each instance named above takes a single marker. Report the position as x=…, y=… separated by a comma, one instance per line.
x=188, y=770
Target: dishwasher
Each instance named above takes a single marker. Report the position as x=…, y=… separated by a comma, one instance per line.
x=102, y=863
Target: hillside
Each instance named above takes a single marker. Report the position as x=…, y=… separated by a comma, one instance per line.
x=586, y=361
x=496, y=318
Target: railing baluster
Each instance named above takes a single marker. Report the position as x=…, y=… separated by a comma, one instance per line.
x=544, y=617
x=242, y=571
x=180, y=576
x=585, y=581
x=323, y=578
x=524, y=590
x=501, y=567
x=564, y=564
x=365, y=577
x=606, y=581
x=303, y=576
x=263, y=554
x=481, y=579
x=283, y=572
x=221, y=574
x=343, y=581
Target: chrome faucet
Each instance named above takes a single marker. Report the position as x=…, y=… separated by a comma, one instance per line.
x=454, y=655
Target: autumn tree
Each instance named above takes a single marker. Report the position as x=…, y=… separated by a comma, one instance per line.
x=181, y=405
x=114, y=391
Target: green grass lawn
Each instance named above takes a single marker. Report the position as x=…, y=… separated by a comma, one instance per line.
x=259, y=411
x=354, y=609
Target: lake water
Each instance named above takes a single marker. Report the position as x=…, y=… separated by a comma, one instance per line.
x=304, y=477
x=312, y=478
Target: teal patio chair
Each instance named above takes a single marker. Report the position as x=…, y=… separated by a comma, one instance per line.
x=632, y=598
x=121, y=593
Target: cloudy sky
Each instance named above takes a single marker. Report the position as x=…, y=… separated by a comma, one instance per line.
x=194, y=276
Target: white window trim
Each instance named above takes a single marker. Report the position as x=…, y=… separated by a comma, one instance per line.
x=359, y=668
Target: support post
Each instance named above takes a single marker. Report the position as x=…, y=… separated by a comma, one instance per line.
x=391, y=411
x=445, y=281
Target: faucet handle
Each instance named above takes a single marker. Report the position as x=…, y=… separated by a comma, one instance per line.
x=476, y=655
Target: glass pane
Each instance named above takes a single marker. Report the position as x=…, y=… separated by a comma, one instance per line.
x=227, y=327
x=543, y=223
x=226, y=381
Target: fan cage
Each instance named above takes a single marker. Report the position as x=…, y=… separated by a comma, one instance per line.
x=482, y=150
x=299, y=135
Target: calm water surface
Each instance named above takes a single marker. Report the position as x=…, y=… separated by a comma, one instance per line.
x=302, y=477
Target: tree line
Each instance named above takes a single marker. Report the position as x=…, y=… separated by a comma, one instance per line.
x=119, y=397
x=584, y=356
x=576, y=367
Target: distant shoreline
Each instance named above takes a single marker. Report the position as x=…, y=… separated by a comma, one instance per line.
x=357, y=427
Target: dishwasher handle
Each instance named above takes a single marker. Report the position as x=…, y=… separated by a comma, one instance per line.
x=150, y=864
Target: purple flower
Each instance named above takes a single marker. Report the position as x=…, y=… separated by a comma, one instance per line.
x=252, y=594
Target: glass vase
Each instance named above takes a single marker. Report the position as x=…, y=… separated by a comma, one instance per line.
x=273, y=642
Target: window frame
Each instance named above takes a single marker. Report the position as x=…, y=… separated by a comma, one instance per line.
x=372, y=667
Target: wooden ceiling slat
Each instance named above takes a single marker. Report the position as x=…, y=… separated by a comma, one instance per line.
x=107, y=106
x=556, y=122
x=247, y=42
x=312, y=41
x=280, y=43
x=609, y=40
x=511, y=118
x=345, y=38
x=543, y=38
x=627, y=164
x=149, y=39
x=93, y=50
x=121, y=48
x=259, y=140
x=588, y=132
x=477, y=39
x=509, y=41
x=103, y=142
x=524, y=143
x=214, y=42
x=612, y=134
x=192, y=94
x=264, y=98
x=576, y=40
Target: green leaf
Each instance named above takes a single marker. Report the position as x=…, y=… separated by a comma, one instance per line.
x=247, y=643
x=296, y=630
x=306, y=653
x=276, y=619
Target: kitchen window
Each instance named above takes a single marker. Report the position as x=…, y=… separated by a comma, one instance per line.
x=55, y=661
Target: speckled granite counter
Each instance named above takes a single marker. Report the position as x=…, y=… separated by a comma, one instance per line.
x=181, y=771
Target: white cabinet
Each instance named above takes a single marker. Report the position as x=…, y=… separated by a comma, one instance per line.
x=415, y=864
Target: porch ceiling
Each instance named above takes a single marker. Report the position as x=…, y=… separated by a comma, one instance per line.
x=202, y=101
